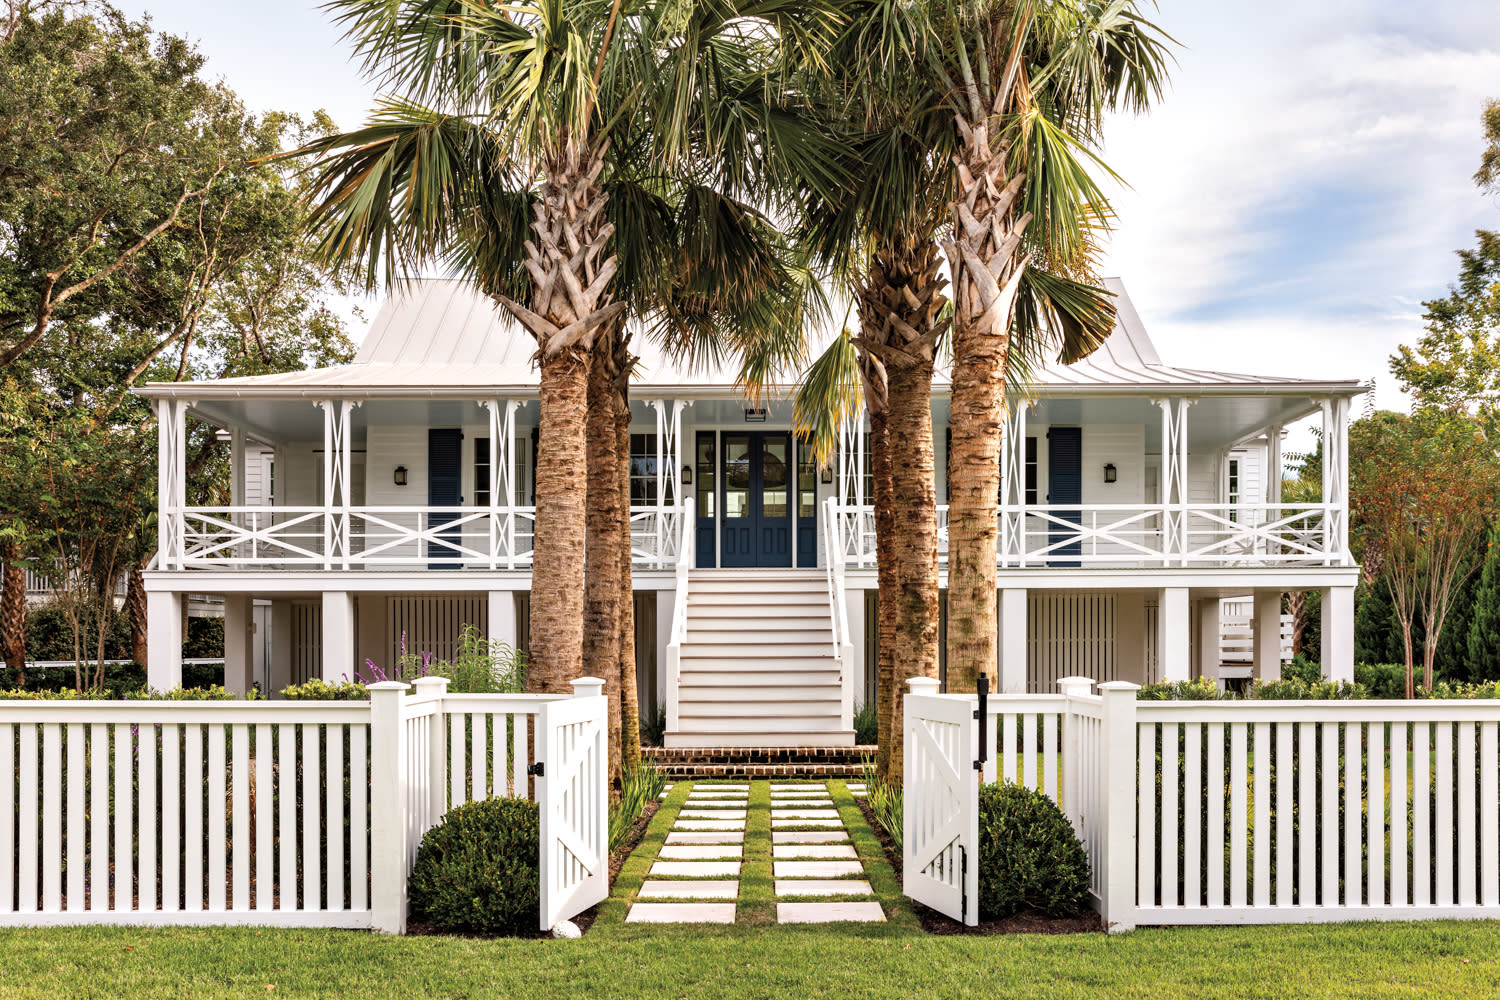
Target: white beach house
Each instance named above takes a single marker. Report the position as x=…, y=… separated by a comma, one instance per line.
x=392, y=497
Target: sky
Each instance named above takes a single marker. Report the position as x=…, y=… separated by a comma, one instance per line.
x=1291, y=202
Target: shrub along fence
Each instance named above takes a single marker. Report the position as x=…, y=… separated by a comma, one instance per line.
x=1221, y=812
x=301, y=814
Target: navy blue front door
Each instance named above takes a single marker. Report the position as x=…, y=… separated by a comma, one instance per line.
x=444, y=485
x=1065, y=486
x=755, y=476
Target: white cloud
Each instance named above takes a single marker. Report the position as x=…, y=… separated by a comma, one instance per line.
x=1309, y=162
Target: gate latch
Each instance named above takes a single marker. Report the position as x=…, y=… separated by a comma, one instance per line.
x=537, y=770
x=981, y=715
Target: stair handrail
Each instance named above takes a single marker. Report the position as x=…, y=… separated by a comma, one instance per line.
x=686, y=555
x=843, y=646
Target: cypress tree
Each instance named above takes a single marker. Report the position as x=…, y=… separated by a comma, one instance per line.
x=1484, y=625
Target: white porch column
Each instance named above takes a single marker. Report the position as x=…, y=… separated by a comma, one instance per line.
x=239, y=650
x=1011, y=668
x=1173, y=624
x=502, y=520
x=1336, y=480
x=502, y=617
x=1267, y=632
x=668, y=471
x=338, y=635
x=279, y=670
x=163, y=640
x=854, y=609
x=171, y=494
x=338, y=460
x=1174, y=473
x=1012, y=541
x=1338, y=633
x=1209, y=633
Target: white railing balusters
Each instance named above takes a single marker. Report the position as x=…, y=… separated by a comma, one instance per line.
x=1126, y=535
x=686, y=556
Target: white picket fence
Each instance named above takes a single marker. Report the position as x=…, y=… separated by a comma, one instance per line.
x=299, y=814
x=1223, y=812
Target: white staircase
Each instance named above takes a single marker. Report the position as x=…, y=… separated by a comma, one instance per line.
x=756, y=665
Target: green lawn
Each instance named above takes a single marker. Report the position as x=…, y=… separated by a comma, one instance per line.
x=758, y=959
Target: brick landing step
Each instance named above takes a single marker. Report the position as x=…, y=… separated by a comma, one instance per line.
x=758, y=762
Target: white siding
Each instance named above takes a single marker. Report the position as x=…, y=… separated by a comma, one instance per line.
x=386, y=448
x=299, y=475
x=258, y=476
x=1124, y=447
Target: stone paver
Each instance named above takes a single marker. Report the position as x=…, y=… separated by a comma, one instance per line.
x=808, y=837
x=697, y=869
x=783, y=851
x=811, y=853
x=681, y=913
x=816, y=869
x=828, y=913
x=709, y=824
x=701, y=852
x=712, y=889
x=823, y=887
x=722, y=837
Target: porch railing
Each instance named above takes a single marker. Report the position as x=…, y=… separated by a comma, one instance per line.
x=372, y=538
x=843, y=643
x=1144, y=535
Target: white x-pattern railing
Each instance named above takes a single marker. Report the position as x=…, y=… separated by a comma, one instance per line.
x=1141, y=535
x=366, y=538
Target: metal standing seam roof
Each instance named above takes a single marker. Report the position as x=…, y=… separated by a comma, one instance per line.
x=443, y=336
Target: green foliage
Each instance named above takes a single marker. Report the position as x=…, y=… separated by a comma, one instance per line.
x=478, y=870
x=1303, y=668
x=479, y=666
x=1377, y=632
x=654, y=726
x=1382, y=680
x=642, y=785
x=885, y=800
x=1296, y=689
x=1193, y=690
x=866, y=723
x=1482, y=643
x=320, y=690
x=1029, y=856
x=49, y=636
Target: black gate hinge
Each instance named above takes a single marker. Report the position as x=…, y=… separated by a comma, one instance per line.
x=537, y=770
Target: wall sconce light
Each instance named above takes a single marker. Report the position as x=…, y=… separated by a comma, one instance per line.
x=687, y=475
x=1109, y=473
x=755, y=415
x=400, y=475
x=827, y=476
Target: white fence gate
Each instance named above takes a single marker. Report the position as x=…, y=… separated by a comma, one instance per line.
x=1226, y=812
x=940, y=818
x=302, y=814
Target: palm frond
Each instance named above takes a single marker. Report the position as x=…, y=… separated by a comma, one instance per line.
x=830, y=394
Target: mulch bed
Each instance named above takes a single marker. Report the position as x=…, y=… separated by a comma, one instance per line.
x=934, y=922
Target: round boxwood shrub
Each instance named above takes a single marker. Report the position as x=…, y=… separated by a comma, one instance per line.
x=477, y=871
x=1029, y=857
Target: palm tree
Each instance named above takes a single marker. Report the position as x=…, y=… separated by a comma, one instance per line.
x=1027, y=84
x=608, y=137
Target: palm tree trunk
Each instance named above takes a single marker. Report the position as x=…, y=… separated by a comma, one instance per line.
x=135, y=609
x=983, y=256
x=630, y=709
x=887, y=672
x=900, y=308
x=570, y=306
x=915, y=550
x=601, y=615
x=13, y=610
